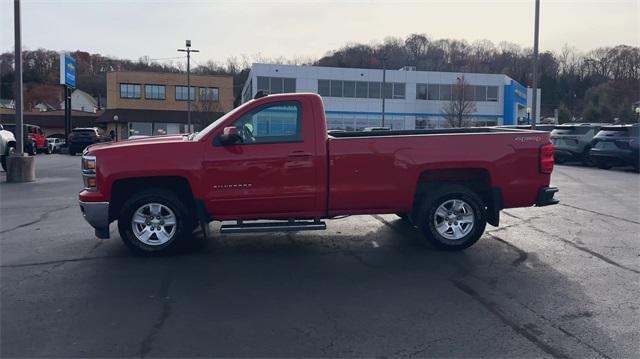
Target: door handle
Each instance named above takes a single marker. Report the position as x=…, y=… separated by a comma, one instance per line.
x=299, y=154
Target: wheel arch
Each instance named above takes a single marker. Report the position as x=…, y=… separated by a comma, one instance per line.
x=477, y=179
x=123, y=188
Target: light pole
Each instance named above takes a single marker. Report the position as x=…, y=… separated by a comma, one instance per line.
x=19, y=151
x=384, y=81
x=115, y=119
x=20, y=168
x=188, y=50
x=535, y=64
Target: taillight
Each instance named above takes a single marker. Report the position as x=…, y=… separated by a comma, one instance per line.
x=546, y=158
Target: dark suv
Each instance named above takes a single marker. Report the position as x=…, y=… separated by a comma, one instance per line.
x=80, y=138
x=573, y=141
x=616, y=146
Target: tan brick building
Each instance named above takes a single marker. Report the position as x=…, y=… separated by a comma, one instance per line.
x=155, y=103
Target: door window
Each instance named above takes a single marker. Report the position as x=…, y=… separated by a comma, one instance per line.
x=275, y=123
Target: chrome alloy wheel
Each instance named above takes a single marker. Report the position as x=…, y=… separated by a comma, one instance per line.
x=454, y=219
x=153, y=224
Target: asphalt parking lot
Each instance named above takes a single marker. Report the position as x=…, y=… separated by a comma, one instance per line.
x=559, y=281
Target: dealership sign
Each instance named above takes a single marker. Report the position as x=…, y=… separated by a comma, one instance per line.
x=67, y=70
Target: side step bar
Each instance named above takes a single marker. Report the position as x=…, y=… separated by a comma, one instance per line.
x=241, y=227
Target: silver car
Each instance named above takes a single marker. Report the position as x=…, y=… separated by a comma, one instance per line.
x=573, y=141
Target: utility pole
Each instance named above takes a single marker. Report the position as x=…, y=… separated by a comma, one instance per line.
x=384, y=82
x=188, y=50
x=535, y=66
x=20, y=168
x=19, y=151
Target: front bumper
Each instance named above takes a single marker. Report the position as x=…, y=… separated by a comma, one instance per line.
x=97, y=215
x=545, y=196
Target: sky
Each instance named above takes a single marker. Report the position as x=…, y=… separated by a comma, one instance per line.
x=306, y=29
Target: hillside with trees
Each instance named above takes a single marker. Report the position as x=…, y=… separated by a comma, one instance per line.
x=598, y=85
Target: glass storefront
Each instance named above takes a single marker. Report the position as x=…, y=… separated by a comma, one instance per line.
x=155, y=128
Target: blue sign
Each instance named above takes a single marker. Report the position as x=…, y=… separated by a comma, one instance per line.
x=67, y=70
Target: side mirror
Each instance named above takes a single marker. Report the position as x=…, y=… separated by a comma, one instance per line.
x=230, y=136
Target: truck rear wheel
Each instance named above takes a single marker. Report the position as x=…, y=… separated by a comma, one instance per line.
x=153, y=221
x=452, y=218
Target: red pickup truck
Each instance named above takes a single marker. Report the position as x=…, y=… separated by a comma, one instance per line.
x=271, y=165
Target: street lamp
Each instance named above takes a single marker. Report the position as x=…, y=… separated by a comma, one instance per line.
x=188, y=50
x=115, y=119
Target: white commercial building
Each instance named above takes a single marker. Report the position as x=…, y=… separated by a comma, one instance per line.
x=414, y=99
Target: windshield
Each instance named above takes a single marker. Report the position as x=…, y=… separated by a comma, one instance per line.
x=200, y=135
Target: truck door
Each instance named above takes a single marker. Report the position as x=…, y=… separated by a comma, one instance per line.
x=270, y=172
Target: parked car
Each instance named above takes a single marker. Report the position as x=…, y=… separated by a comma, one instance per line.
x=7, y=145
x=80, y=138
x=616, y=146
x=272, y=159
x=573, y=141
x=34, y=140
x=54, y=144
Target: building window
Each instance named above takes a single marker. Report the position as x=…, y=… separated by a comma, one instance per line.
x=349, y=89
x=399, y=89
x=154, y=92
x=433, y=92
x=421, y=92
x=374, y=89
x=181, y=93
x=362, y=89
x=445, y=92
x=336, y=88
x=324, y=88
x=209, y=94
x=140, y=128
x=480, y=93
x=388, y=90
x=248, y=94
x=492, y=93
x=129, y=90
x=273, y=85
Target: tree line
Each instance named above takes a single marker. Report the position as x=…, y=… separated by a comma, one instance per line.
x=597, y=86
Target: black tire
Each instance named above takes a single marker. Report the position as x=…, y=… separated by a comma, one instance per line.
x=603, y=165
x=48, y=150
x=165, y=198
x=33, y=149
x=3, y=158
x=440, y=195
x=585, y=158
x=72, y=151
x=559, y=159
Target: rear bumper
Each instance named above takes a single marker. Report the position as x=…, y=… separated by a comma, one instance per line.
x=97, y=215
x=545, y=196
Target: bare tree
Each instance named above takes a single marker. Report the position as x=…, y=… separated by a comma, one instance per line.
x=459, y=111
x=208, y=104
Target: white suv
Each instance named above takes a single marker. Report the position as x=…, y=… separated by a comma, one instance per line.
x=7, y=145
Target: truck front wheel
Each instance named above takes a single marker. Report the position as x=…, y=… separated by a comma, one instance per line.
x=452, y=218
x=153, y=221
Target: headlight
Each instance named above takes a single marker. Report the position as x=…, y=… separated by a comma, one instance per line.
x=89, y=173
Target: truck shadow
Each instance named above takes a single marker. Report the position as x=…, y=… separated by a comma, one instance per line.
x=327, y=294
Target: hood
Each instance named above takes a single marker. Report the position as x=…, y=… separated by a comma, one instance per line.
x=141, y=142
